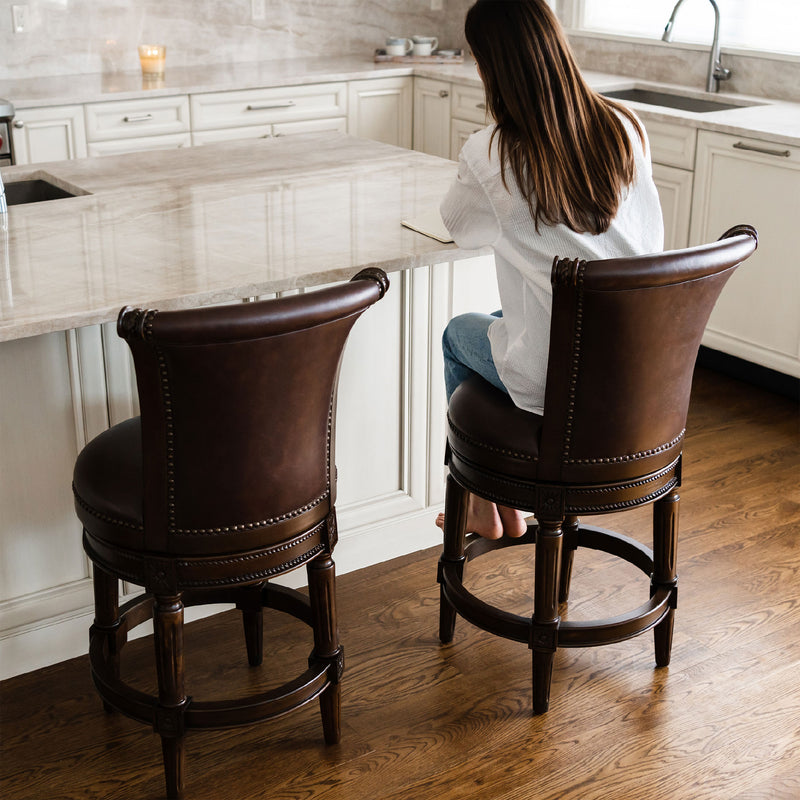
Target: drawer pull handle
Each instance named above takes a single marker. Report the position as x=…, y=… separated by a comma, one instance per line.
x=444, y=93
x=270, y=106
x=481, y=106
x=138, y=118
x=18, y=123
x=766, y=150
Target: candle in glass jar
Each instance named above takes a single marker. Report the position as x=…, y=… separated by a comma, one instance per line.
x=152, y=58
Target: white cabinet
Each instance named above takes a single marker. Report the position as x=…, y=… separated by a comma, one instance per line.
x=260, y=113
x=468, y=115
x=381, y=109
x=675, y=194
x=432, y=117
x=672, y=153
x=335, y=124
x=55, y=133
x=127, y=126
x=460, y=131
x=742, y=180
x=139, y=144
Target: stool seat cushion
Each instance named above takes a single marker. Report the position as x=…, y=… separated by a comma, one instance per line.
x=486, y=428
x=107, y=484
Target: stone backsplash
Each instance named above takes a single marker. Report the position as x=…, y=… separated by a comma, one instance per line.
x=69, y=37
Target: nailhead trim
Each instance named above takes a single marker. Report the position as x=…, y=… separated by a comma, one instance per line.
x=630, y=503
x=643, y=482
x=221, y=562
x=263, y=573
x=103, y=517
x=251, y=526
x=579, y=271
x=475, y=443
x=631, y=457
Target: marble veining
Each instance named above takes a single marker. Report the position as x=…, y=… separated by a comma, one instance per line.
x=73, y=37
x=175, y=229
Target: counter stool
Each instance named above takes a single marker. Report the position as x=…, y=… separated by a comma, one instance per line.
x=623, y=341
x=225, y=481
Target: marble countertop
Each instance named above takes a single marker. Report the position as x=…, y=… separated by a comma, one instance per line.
x=776, y=120
x=175, y=229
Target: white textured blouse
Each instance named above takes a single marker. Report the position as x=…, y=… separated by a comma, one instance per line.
x=479, y=211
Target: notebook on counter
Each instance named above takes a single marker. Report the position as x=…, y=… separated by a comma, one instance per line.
x=429, y=223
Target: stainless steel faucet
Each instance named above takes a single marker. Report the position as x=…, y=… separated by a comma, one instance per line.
x=716, y=72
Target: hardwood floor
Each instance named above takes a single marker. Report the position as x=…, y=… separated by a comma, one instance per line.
x=425, y=722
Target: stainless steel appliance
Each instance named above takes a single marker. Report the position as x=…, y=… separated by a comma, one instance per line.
x=6, y=144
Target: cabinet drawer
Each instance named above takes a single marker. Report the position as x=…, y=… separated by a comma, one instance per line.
x=125, y=119
x=469, y=103
x=673, y=145
x=115, y=147
x=265, y=106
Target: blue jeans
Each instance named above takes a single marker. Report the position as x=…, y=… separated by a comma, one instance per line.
x=467, y=350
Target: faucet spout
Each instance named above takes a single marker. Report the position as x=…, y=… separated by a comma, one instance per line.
x=716, y=72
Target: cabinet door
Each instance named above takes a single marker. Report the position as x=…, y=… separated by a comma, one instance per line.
x=49, y=134
x=432, y=117
x=755, y=182
x=460, y=131
x=675, y=193
x=381, y=109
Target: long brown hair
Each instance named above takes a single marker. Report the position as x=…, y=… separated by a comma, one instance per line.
x=565, y=144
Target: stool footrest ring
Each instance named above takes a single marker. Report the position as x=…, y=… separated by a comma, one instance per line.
x=570, y=633
x=209, y=714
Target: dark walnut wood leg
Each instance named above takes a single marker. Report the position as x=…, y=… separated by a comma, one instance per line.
x=665, y=549
x=106, y=619
x=571, y=525
x=455, y=530
x=168, y=638
x=322, y=594
x=253, y=623
x=544, y=628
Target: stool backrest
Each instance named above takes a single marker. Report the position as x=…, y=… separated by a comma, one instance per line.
x=623, y=342
x=237, y=409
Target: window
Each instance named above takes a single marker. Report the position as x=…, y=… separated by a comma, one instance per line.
x=766, y=25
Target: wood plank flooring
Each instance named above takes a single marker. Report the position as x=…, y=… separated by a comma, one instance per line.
x=425, y=722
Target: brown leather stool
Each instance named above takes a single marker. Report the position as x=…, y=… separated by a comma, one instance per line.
x=225, y=481
x=623, y=341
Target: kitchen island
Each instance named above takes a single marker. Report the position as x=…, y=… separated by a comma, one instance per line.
x=226, y=223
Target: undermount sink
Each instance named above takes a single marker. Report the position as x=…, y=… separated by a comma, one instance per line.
x=682, y=102
x=37, y=190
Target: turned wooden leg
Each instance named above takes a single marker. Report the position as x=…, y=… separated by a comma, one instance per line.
x=455, y=529
x=168, y=638
x=106, y=619
x=544, y=629
x=253, y=623
x=322, y=594
x=665, y=549
x=570, y=545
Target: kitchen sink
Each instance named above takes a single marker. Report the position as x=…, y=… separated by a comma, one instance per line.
x=683, y=102
x=36, y=190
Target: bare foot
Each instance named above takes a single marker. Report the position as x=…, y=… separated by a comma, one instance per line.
x=514, y=524
x=489, y=520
